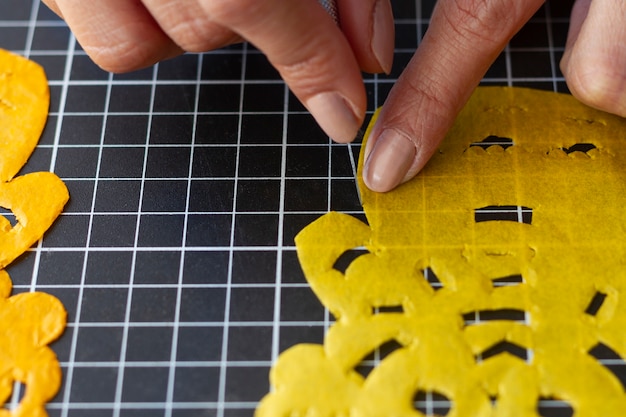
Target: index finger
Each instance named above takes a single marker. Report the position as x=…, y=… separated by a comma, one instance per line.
x=463, y=39
x=314, y=58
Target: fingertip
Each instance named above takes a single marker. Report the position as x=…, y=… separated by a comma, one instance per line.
x=336, y=115
x=390, y=161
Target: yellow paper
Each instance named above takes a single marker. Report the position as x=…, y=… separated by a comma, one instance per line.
x=561, y=168
x=29, y=321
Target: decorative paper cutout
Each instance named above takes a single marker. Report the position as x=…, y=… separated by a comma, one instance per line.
x=491, y=315
x=29, y=321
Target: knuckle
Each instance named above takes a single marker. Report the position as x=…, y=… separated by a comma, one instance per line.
x=594, y=86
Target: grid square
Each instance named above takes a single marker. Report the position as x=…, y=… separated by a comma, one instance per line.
x=293, y=335
x=21, y=270
x=85, y=98
x=260, y=162
x=254, y=267
x=81, y=130
x=174, y=98
x=103, y=305
x=306, y=195
x=264, y=97
x=206, y=267
x=262, y=129
x=300, y=304
x=196, y=384
x=226, y=66
x=15, y=10
x=81, y=193
x=183, y=67
x=60, y=268
x=202, y=305
x=171, y=129
x=135, y=388
x=258, y=195
x=117, y=196
x=164, y=196
x=168, y=162
x=219, y=98
x=149, y=344
x=307, y=161
x=249, y=383
x=91, y=385
x=217, y=129
x=113, y=231
x=211, y=196
x=130, y=98
x=256, y=230
x=126, y=162
x=541, y=64
x=250, y=343
x=161, y=230
x=76, y=162
x=303, y=129
x=126, y=130
x=99, y=344
x=214, y=162
x=208, y=230
x=251, y=304
x=51, y=38
x=157, y=267
x=83, y=68
x=67, y=231
x=199, y=344
x=108, y=267
x=153, y=305
x=344, y=196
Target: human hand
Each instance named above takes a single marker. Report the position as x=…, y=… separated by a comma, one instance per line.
x=463, y=40
x=320, y=62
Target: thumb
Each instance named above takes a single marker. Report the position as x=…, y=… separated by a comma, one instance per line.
x=463, y=40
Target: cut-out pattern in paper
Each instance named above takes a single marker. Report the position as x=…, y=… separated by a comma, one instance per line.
x=29, y=321
x=491, y=317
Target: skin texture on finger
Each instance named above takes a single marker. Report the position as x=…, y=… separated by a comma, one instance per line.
x=119, y=35
x=463, y=40
x=369, y=28
x=188, y=25
x=309, y=51
x=594, y=62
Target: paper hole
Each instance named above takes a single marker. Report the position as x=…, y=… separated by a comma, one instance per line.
x=519, y=214
x=508, y=280
x=579, y=147
x=432, y=279
x=550, y=407
x=15, y=397
x=7, y=219
x=509, y=314
x=368, y=363
x=596, y=303
x=611, y=360
x=388, y=309
x=493, y=140
x=343, y=262
x=431, y=403
x=504, y=347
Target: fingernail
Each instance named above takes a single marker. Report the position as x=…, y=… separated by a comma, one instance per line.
x=335, y=116
x=389, y=161
x=382, y=43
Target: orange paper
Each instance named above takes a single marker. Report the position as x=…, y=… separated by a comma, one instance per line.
x=30, y=321
x=461, y=294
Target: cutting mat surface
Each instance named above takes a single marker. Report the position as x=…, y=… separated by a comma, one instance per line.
x=188, y=180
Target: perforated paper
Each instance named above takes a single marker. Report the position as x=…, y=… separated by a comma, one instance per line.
x=29, y=321
x=497, y=273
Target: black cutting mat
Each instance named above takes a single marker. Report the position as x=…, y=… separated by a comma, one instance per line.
x=188, y=182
